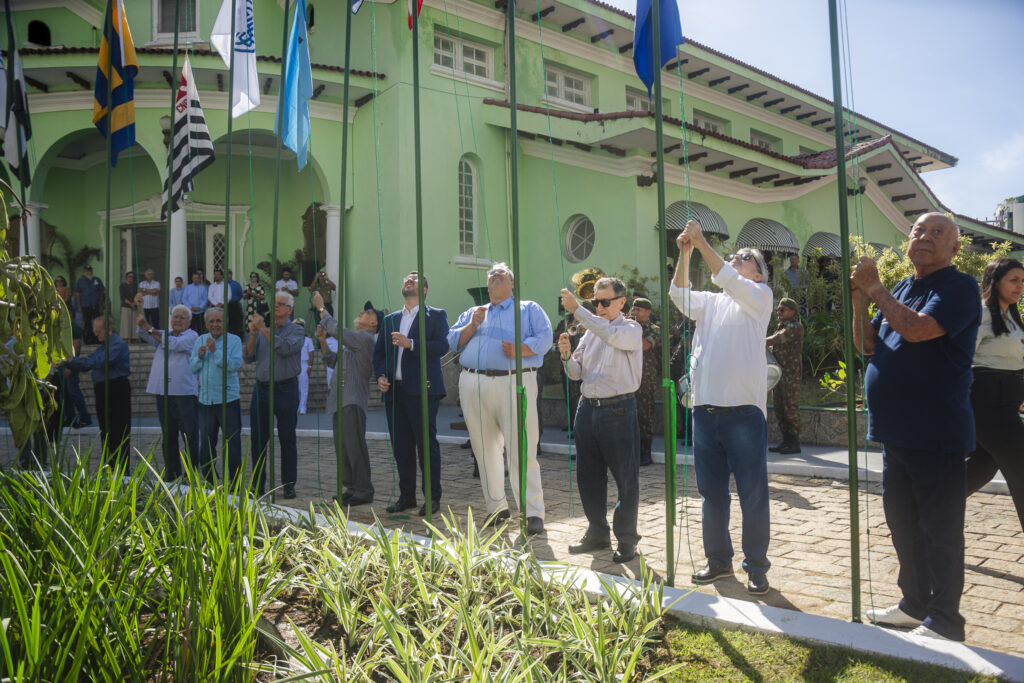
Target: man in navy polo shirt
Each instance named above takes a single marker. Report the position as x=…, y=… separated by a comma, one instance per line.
x=917, y=386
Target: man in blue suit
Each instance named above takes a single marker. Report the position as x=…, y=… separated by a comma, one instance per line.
x=396, y=364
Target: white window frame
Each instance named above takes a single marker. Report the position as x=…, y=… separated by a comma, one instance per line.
x=560, y=99
x=161, y=38
x=474, y=204
x=641, y=101
x=705, y=122
x=764, y=141
x=575, y=223
x=457, y=55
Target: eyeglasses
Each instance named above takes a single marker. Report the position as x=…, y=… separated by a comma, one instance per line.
x=746, y=257
x=606, y=302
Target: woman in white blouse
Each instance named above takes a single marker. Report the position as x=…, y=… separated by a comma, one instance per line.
x=998, y=388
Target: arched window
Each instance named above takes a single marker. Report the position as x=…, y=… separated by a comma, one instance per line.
x=467, y=207
x=579, y=239
x=39, y=33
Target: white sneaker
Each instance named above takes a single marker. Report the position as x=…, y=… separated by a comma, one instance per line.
x=925, y=631
x=891, y=616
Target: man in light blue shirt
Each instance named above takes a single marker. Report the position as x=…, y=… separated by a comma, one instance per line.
x=175, y=296
x=196, y=297
x=484, y=336
x=207, y=362
x=181, y=387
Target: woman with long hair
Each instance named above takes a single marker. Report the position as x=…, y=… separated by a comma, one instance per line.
x=998, y=388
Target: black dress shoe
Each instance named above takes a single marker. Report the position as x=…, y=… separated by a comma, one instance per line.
x=757, y=583
x=624, y=553
x=346, y=497
x=401, y=504
x=534, y=526
x=711, y=574
x=498, y=518
x=358, y=500
x=289, y=491
x=590, y=543
x=434, y=507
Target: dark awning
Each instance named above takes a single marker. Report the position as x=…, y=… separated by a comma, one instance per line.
x=767, y=235
x=711, y=223
x=826, y=241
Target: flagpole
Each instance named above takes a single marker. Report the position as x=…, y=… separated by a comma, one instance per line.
x=340, y=299
x=170, y=203
x=108, y=317
x=227, y=241
x=22, y=157
x=666, y=382
x=428, y=503
x=269, y=463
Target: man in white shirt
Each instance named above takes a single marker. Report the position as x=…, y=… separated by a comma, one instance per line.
x=287, y=284
x=305, y=359
x=150, y=291
x=215, y=292
x=609, y=360
x=730, y=386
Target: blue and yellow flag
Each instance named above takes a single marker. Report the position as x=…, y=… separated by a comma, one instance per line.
x=117, y=43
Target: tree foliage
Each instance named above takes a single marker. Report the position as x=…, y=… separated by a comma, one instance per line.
x=35, y=334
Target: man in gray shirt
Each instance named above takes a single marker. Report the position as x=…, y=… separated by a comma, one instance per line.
x=288, y=339
x=357, y=366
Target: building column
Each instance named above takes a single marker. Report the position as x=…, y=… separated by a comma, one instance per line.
x=333, y=237
x=178, y=261
x=35, y=222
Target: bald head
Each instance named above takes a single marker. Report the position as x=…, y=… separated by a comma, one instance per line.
x=934, y=241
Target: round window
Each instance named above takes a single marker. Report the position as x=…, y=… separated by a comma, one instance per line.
x=579, y=239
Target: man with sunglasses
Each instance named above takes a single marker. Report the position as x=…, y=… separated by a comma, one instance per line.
x=730, y=386
x=609, y=360
x=484, y=336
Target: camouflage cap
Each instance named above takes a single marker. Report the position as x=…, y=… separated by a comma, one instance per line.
x=641, y=302
x=790, y=304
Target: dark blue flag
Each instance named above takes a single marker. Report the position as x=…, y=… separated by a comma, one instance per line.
x=643, y=38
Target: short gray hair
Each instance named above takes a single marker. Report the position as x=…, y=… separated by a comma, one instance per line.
x=183, y=308
x=501, y=267
x=617, y=285
x=287, y=297
x=758, y=260
x=211, y=309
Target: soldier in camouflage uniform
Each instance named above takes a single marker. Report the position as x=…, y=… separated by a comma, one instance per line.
x=788, y=345
x=650, y=379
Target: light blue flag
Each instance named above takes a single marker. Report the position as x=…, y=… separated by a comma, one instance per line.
x=643, y=38
x=293, y=101
x=356, y=4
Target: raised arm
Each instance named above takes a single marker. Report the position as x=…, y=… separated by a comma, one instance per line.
x=911, y=325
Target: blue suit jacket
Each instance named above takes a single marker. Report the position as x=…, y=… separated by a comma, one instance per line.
x=384, y=353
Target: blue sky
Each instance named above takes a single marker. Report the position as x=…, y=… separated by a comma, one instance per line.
x=947, y=72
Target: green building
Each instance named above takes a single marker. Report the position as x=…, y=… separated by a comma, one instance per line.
x=760, y=171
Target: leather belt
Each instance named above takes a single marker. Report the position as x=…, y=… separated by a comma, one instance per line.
x=598, y=402
x=278, y=383
x=497, y=373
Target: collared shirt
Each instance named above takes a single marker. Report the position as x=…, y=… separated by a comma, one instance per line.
x=234, y=291
x=1005, y=352
x=210, y=368
x=291, y=286
x=918, y=393
x=610, y=356
x=182, y=381
x=215, y=293
x=195, y=296
x=794, y=278
x=307, y=353
x=483, y=351
x=149, y=300
x=90, y=289
x=288, y=338
x=404, y=326
x=731, y=367
x=357, y=365
x=119, y=360
x=175, y=297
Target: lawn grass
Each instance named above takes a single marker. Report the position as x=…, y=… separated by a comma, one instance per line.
x=710, y=655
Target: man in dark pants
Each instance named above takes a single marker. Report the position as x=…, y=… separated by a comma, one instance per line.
x=207, y=362
x=396, y=364
x=89, y=299
x=917, y=388
x=111, y=389
x=609, y=361
x=288, y=339
x=650, y=381
x=788, y=346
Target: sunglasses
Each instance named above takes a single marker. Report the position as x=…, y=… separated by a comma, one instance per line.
x=605, y=302
x=746, y=257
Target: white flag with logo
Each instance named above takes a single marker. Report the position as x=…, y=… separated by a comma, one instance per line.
x=246, y=85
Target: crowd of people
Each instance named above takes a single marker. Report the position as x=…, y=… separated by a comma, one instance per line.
x=943, y=391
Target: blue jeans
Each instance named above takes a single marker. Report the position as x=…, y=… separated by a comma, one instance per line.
x=924, y=496
x=733, y=441
x=181, y=418
x=211, y=422
x=286, y=410
x=607, y=440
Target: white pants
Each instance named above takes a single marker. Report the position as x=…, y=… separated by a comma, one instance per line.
x=303, y=388
x=489, y=406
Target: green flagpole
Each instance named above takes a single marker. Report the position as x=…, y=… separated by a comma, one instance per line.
x=227, y=241
x=844, y=241
x=170, y=194
x=108, y=314
x=340, y=298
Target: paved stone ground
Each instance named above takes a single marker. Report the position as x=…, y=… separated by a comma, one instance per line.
x=810, y=550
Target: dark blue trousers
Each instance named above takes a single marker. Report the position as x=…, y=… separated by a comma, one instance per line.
x=286, y=410
x=924, y=496
x=211, y=422
x=181, y=418
x=406, y=427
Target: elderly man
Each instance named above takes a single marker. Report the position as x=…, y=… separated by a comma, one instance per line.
x=180, y=417
x=207, y=362
x=917, y=388
x=484, y=336
x=730, y=387
x=650, y=379
x=149, y=288
x=196, y=298
x=357, y=366
x=110, y=382
x=288, y=339
x=609, y=361
x=396, y=364
x=787, y=344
